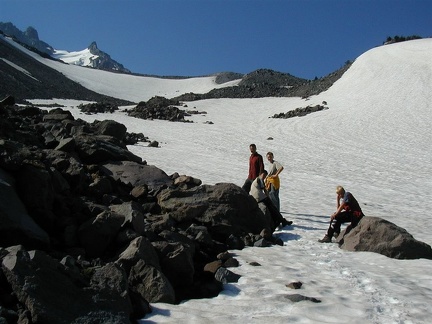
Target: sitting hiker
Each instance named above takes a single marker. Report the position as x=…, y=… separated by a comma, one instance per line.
x=347, y=211
x=259, y=192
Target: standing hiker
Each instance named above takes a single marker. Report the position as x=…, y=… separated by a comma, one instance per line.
x=256, y=166
x=273, y=181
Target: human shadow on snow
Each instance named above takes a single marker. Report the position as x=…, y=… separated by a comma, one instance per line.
x=321, y=219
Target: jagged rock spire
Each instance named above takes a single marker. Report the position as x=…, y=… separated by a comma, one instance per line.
x=31, y=33
x=93, y=46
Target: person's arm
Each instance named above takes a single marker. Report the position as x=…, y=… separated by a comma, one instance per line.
x=278, y=172
x=261, y=164
x=263, y=186
x=340, y=207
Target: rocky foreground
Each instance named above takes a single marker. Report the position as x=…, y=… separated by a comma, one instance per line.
x=92, y=234
x=81, y=214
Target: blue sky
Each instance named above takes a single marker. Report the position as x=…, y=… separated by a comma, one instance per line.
x=306, y=38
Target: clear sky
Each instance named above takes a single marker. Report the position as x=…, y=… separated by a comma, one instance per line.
x=306, y=38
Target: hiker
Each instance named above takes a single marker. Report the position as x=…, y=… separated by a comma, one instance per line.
x=348, y=210
x=256, y=166
x=272, y=181
x=259, y=192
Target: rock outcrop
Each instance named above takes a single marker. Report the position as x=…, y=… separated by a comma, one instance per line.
x=300, y=112
x=374, y=234
x=159, y=108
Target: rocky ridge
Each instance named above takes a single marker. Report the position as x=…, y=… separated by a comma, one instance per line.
x=268, y=83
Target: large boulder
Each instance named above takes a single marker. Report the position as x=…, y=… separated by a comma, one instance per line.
x=54, y=293
x=136, y=174
x=133, y=214
x=96, y=234
x=224, y=208
x=36, y=187
x=150, y=283
x=93, y=149
x=16, y=225
x=138, y=249
x=374, y=234
x=177, y=264
x=111, y=128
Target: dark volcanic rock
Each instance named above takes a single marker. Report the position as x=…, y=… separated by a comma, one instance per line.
x=159, y=108
x=295, y=298
x=268, y=83
x=378, y=235
x=98, y=107
x=137, y=174
x=300, y=112
x=78, y=208
x=17, y=226
x=40, y=282
x=225, y=207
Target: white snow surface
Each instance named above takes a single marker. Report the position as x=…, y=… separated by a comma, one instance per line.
x=375, y=140
x=81, y=58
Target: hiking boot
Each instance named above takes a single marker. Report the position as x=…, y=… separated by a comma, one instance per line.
x=286, y=223
x=325, y=239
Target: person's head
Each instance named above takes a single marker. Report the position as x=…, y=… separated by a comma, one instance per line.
x=263, y=174
x=252, y=148
x=340, y=191
x=270, y=156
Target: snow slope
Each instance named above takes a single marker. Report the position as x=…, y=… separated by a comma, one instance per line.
x=125, y=86
x=374, y=139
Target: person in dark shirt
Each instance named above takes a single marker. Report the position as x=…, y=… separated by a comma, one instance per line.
x=348, y=210
x=256, y=166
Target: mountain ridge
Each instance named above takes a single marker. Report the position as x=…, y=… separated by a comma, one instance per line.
x=259, y=83
x=25, y=78
x=256, y=84
x=96, y=58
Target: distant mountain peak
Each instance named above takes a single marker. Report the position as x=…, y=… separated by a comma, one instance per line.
x=30, y=37
x=102, y=61
x=31, y=33
x=91, y=57
x=93, y=46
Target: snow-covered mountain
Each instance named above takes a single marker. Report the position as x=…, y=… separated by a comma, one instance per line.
x=91, y=56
